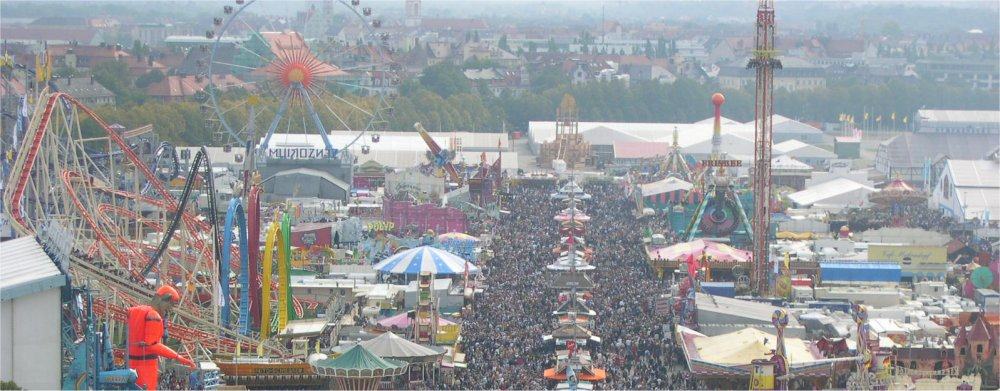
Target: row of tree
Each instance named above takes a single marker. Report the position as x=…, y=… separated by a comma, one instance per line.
x=444, y=100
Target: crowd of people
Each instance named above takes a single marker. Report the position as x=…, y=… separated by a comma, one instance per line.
x=914, y=216
x=503, y=334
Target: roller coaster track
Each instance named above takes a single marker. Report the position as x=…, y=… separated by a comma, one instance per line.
x=134, y=293
x=36, y=131
x=253, y=230
x=201, y=158
x=167, y=149
x=235, y=214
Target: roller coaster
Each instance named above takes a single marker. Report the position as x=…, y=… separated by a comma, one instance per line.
x=56, y=179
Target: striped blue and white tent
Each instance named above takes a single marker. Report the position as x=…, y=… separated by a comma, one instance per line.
x=425, y=259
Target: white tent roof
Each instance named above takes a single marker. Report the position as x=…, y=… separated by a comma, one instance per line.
x=785, y=162
x=687, y=133
x=389, y=345
x=743, y=346
x=798, y=149
x=827, y=190
x=666, y=185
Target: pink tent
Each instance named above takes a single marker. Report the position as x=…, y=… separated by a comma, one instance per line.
x=402, y=321
x=717, y=251
x=578, y=217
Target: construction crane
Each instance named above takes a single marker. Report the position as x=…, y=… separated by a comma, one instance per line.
x=764, y=61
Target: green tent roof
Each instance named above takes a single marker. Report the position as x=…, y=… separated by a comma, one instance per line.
x=360, y=358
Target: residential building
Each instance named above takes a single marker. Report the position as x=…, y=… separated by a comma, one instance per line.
x=86, y=90
x=976, y=74
x=176, y=88
x=796, y=74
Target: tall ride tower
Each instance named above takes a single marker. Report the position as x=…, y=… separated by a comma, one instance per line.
x=765, y=61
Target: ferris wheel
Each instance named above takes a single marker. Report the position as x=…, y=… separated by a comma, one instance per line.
x=271, y=80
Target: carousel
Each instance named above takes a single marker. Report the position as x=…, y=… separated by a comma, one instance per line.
x=896, y=197
x=358, y=369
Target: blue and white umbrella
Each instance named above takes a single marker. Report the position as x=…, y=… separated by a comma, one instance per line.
x=425, y=259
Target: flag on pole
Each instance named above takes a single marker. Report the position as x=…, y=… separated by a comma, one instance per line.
x=866, y=116
x=906, y=119
x=878, y=119
x=893, y=116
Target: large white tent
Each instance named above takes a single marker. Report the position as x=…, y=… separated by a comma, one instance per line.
x=838, y=192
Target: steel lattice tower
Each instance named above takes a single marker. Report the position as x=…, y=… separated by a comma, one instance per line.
x=764, y=61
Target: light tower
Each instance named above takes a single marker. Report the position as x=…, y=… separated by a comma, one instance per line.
x=717, y=100
x=765, y=61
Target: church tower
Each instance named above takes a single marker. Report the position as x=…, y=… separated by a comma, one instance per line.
x=412, y=13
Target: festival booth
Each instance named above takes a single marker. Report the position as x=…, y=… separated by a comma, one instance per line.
x=716, y=257
x=727, y=360
x=369, y=175
x=404, y=213
x=570, y=190
x=662, y=194
x=404, y=320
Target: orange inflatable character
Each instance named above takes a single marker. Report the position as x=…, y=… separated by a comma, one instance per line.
x=145, y=330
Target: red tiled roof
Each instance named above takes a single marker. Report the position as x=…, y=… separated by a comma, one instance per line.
x=453, y=24
x=185, y=86
x=640, y=149
x=16, y=87
x=22, y=33
x=979, y=331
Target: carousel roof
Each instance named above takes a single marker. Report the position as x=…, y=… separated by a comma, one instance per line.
x=697, y=248
x=571, y=331
x=390, y=345
x=425, y=259
x=898, y=191
x=572, y=280
x=359, y=362
x=576, y=306
x=666, y=185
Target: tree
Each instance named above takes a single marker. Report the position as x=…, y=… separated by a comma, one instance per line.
x=114, y=76
x=552, y=47
x=153, y=76
x=444, y=79
x=532, y=48
x=65, y=72
x=502, y=43
x=891, y=29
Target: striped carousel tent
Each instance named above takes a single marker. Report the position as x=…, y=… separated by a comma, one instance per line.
x=359, y=369
x=425, y=259
x=668, y=191
x=697, y=248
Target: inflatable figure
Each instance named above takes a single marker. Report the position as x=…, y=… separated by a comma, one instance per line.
x=145, y=331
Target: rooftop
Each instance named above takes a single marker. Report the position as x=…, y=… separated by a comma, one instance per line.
x=987, y=116
x=27, y=269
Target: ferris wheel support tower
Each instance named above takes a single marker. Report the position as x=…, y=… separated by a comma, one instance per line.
x=764, y=61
